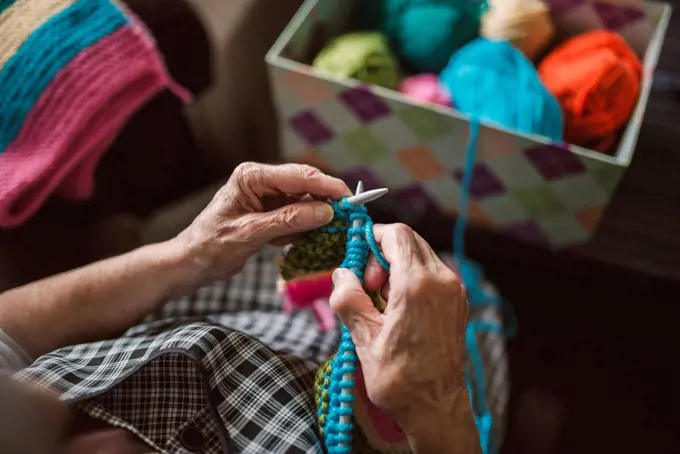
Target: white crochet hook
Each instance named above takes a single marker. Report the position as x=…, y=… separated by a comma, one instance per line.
x=359, y=198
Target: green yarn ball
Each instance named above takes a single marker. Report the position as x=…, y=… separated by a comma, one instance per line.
x=365, y=56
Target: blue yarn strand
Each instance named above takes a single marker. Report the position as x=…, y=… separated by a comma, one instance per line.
x=471, y=275
x=461, y=222
x=360, y=242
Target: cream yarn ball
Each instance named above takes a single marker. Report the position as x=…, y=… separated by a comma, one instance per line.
x=526, y=24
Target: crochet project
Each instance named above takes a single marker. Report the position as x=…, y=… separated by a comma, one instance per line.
x=72, y=72
x=347, y=420
x=339, y=389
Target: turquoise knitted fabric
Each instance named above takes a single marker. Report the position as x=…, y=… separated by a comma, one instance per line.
x=335, y=383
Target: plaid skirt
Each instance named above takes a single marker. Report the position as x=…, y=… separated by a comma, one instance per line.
x=225, y=370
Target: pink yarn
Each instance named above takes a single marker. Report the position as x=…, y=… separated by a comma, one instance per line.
x=76, y=119
x=426, y=88
x=383, y=426
x=311, y=293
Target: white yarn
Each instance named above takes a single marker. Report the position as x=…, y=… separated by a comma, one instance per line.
x=524, y=23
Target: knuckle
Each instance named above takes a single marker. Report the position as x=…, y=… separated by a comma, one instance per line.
x=450, y=280
x=402, y=232
x=300, y=170
x=246, y=167
x=249, y=172
x=423, y=282
x=309, y=171
x=344, y=293
x=290, y=217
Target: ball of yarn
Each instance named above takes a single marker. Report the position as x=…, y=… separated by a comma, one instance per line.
x=492, y=80
x=525, y=23
x=426, y=33
x=365, y=56
x=596, y=78
x=426, y=88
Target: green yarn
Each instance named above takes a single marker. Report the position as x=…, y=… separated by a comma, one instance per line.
x=316, y=251
x=321, y=398
x=365, y=56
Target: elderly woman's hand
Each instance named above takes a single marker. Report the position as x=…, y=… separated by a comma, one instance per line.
x=412, y=355
x=260, y=204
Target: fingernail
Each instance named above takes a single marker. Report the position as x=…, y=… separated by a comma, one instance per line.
x=323, y=214
x=337, y=275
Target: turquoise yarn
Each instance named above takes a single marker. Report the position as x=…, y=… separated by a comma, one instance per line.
x=471, y=274
x=493, y=81
x=338, y=435
x=425, y=33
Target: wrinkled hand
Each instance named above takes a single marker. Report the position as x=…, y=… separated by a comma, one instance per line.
x=412, y=355
x=259, y=205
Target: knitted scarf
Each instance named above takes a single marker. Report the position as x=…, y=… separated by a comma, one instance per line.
x=72, y=72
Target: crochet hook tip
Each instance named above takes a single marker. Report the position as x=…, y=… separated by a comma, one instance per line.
x=368, y=196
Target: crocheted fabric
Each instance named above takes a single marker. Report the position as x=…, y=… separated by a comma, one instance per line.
x=72, y=72
x=370, y=430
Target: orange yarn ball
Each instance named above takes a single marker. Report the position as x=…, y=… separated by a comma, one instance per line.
x=596, y=78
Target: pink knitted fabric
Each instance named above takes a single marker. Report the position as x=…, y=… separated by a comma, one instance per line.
x=75, y=121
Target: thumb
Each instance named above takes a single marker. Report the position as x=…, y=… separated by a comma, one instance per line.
x=291, y=219
x=354, y=307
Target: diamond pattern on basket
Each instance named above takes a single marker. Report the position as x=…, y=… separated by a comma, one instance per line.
x=365, y=146
x=307, y=88
x=589, y=218
x=539, y=201
x=615, y=17
x=421, y=163
x=484, y=182
x=311, y=128
x=425, y=124
x=561, y=6
x=364, y=104
x=528, y=231
x=607, y=177
x=553, y=162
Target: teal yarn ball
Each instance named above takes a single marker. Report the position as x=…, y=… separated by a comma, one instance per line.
x=426, y=33
x=493, y=81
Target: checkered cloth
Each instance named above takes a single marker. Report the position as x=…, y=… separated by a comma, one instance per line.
x=224, y=365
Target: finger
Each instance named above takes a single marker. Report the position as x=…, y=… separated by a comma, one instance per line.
x=400, y=245
x=429, y=253
x=285, y=240
x=354, y=307
x=288, y=220
x=375, y=275
x=385, y=291
x=273, y=202
x=263, y=179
